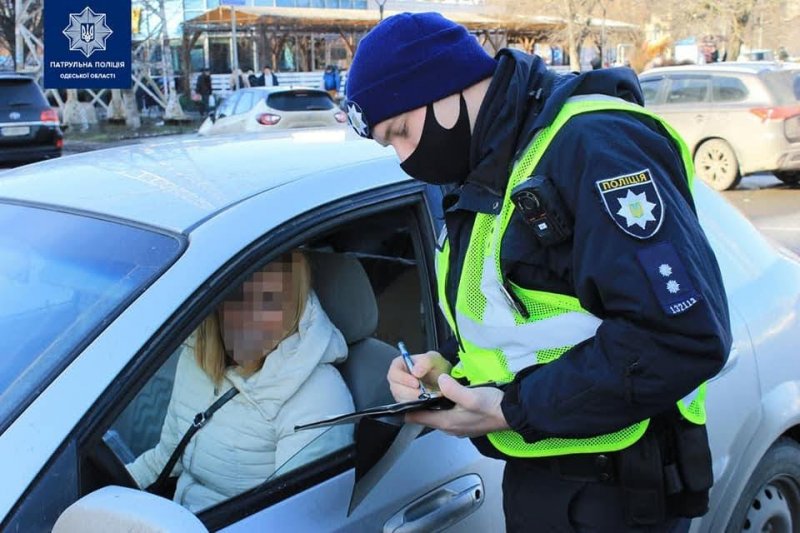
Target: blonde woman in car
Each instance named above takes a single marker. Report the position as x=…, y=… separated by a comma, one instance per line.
x=273, y=342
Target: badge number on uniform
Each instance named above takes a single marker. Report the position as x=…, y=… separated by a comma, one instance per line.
x=633, y=203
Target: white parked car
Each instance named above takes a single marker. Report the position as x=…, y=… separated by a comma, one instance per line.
x=110, y=260
x=269, y=108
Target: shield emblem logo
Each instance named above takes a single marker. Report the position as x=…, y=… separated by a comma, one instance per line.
x=87, y=31
x=633, y=203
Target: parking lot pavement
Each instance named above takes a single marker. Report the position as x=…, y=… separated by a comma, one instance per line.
x=772, y=206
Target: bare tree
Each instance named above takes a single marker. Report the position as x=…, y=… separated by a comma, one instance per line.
x=8, y=23
x=576, y=14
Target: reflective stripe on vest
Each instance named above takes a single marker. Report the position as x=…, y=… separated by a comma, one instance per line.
x=496, y=341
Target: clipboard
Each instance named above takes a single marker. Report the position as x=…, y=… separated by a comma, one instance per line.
x=429, y=400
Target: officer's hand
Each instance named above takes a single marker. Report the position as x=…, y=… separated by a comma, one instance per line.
x=427, y=368
x=477, y=411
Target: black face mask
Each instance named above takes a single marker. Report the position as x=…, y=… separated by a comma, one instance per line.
x=442, y=155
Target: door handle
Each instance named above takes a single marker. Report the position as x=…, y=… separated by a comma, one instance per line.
x=699, y=118
x=440, y=508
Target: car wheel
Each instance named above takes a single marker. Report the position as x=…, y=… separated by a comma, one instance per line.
x=716, y=164
x=789, y=178
x=771, y=500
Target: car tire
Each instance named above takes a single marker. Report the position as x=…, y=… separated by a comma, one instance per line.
x=789, y=178
x=771, y=499
x=715, y=163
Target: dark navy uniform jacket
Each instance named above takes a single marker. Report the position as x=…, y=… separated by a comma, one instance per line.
x=649, y=351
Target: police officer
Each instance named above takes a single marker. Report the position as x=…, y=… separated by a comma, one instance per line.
x=572, y=271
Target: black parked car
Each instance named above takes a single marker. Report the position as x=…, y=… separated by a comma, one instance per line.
x=28, y=125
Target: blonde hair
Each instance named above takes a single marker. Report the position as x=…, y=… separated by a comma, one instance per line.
x=209, y=347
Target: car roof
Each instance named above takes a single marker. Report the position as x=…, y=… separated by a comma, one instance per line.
x=175, y=185
x=739, y=67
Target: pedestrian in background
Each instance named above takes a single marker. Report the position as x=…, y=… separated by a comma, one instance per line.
x=204, y=89
x=238, y=80
x=331, y=81
x=572, y=270
x=267, y=78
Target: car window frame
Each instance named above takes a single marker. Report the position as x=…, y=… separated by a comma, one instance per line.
x=321, y=219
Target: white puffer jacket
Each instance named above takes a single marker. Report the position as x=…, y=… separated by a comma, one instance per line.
x=253, y=433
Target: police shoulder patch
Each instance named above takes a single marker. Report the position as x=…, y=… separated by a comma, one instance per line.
x=633, y=203
x=668, y=278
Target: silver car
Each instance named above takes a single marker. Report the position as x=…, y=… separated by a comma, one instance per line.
x=261, y=109
x=736, y=118
x=110, y=260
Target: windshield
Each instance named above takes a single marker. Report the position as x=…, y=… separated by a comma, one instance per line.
x=63, y=278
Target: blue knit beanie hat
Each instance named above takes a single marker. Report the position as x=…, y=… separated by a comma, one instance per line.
x=408, y=61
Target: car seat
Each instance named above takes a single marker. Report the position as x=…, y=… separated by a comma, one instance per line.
x=346, y=294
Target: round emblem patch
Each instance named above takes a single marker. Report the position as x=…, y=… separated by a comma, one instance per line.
x=357, y=120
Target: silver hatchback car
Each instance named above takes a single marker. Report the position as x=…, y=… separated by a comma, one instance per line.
x=736, y=118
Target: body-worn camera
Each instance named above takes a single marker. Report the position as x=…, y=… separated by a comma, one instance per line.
x=541, y=207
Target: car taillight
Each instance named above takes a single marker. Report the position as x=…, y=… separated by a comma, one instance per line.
x=776, y=112
x=59, y=143
x=268, y=119
x=49, y=115
x=340, y=117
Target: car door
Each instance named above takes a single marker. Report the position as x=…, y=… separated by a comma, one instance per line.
x=734, y=396
x=686, y=106
x=438, y=482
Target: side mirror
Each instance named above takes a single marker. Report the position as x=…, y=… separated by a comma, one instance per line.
x=123, y=509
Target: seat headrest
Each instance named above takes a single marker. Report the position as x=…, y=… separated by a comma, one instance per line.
x=345, y=293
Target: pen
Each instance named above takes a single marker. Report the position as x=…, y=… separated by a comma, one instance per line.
x=410, y=364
